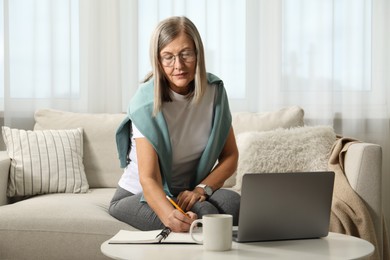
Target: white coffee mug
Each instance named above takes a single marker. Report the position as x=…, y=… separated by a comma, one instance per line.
x=217, y=232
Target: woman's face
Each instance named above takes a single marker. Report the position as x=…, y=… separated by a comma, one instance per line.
x=178, y=60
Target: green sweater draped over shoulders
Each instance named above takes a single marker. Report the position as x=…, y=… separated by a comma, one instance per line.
x=155, y=130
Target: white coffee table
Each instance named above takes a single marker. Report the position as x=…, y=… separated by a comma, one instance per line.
x=334, y=246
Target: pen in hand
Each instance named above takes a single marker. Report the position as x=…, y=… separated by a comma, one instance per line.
x=164, y=234
x=176, y=206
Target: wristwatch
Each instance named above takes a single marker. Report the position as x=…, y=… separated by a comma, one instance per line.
x=208, y=191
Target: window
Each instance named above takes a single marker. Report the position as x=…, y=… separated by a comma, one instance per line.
x=267, y=52
x=43, y=43
x=326, y=45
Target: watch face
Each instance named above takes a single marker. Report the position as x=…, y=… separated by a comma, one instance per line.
x=208, y=190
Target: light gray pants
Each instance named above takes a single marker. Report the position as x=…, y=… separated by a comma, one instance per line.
x=127, y=207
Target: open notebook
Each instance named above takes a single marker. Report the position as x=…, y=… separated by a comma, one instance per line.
x=151, y=237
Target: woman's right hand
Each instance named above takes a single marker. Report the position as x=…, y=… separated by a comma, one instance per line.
x=178, y=222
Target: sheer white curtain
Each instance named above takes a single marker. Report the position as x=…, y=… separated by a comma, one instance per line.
x=40, y=60
x=63, y=54
x=330, y=57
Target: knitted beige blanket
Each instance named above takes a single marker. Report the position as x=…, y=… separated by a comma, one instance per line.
x=349, y=213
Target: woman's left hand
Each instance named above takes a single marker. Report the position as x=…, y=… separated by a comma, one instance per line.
x=187, y=199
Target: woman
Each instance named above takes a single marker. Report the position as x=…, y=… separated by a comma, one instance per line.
x=178, y=127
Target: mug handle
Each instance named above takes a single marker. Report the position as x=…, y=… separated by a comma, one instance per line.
x=193, y=225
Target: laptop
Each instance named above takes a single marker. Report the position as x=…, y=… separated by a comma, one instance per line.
x=283, y=206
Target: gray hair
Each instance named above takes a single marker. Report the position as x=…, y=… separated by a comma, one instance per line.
x=165, y=32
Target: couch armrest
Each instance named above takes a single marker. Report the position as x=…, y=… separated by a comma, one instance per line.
x=363, y=168
x=4, y=174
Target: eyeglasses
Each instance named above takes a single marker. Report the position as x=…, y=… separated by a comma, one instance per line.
x=168, y=60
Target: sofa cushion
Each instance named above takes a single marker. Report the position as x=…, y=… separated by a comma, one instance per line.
x=100, y=154
x=298, y=149
x=285, y=118
x=48, y=161
x=73, y=226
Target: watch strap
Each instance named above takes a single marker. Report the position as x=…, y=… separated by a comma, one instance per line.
x=205, y=187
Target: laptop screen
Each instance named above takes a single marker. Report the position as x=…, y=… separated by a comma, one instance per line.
x=280, y=206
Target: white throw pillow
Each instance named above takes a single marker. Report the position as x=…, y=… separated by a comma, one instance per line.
x=49, y=161
x=286, y=117
x=100, y=154
x=298, y=149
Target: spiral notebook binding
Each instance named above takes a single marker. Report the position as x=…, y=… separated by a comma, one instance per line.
x=164, y=234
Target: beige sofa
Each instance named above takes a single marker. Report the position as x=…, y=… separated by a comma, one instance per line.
x=73, y=225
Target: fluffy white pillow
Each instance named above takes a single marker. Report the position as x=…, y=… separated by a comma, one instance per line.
x=284, y=150
x=49, y=161
x=286, y=117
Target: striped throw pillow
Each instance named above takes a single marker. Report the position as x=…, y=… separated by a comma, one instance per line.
x=45, y=161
